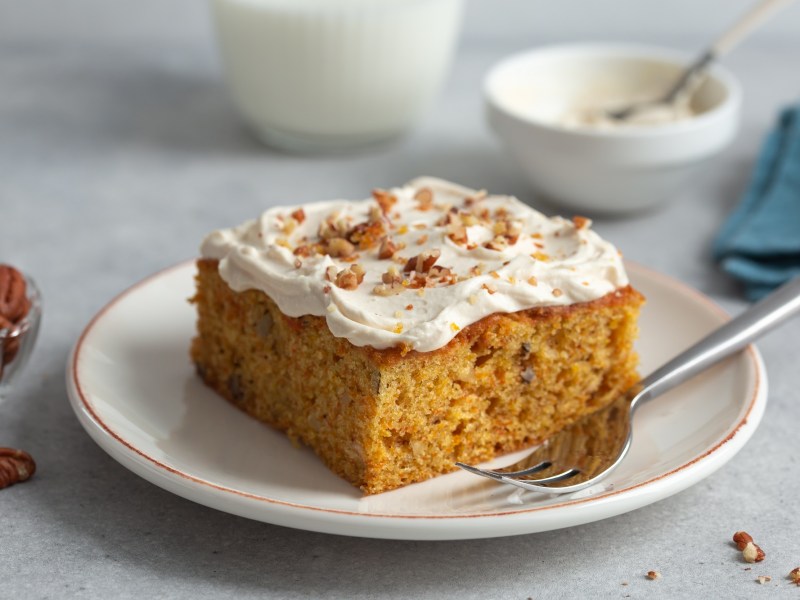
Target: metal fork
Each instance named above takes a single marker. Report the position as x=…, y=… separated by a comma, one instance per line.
x=586, y=452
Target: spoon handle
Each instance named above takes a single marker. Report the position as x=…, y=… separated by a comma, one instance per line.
x=721, y=343
x=747, y=23
x=732, y=36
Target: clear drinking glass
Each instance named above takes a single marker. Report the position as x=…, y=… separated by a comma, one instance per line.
x=335, y=75
x=16, y=342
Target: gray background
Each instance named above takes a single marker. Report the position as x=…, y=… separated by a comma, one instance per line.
x=119, y=150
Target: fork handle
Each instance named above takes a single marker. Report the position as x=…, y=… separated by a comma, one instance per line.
x=721, y=343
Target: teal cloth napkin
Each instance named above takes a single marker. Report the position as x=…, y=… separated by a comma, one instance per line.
x=759, y=244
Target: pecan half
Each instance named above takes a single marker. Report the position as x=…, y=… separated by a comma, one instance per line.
x=14, y=303
x=16, y=466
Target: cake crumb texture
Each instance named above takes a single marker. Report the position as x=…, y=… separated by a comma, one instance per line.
x=382, y=419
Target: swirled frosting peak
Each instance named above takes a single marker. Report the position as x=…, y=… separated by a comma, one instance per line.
x=416, y=264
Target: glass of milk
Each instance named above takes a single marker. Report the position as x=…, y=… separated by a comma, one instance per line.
x=327, y=75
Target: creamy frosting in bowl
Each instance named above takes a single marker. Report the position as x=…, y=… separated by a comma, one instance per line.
x=416, y=264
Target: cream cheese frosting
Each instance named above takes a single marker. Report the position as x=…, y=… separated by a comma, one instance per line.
x=416, y=264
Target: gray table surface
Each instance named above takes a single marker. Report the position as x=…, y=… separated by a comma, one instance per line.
x=117, y=156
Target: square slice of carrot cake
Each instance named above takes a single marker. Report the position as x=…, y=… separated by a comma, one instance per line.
x=426, y=325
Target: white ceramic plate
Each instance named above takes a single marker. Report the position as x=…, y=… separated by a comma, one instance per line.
x=135, y=392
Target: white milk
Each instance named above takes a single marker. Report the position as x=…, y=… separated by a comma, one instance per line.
x=330, y=74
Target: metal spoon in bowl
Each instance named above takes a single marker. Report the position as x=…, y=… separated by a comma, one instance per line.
x=690, y=78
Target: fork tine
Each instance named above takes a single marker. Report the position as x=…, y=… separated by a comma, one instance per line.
x=545, y=464
x=554, y=478
x=511, y=477
x=481, y=472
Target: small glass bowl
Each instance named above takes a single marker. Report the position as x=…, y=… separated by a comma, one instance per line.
x=16, y=343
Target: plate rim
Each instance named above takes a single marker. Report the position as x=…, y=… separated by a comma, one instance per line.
x=139, y=462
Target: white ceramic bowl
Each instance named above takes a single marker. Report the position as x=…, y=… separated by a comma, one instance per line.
x=605, y=170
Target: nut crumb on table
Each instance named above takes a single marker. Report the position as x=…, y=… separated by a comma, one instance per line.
x=751, y=552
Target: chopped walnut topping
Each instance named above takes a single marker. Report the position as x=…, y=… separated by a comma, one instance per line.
x=332, y=226
x=473, y=299
x=454, y=327
x=367, y=235
x=390, y=289
x=422, y=239
x=762, y=579
x=457, y=233
x=476, y=197
x=494, y=274
x=289, y=225
x=387, y=249
x=349, y=278
x=557, y=292
x=299, y=215
x=375, y=214
x=384, y=199
x=489, y=287
x=499, y=243
x=352, y=258
x=506, y=231
x=298, y=263
x=653, y=575
x=392, y=275
x=451, y=217
x=392, y=283
x=409, y=307
x=423, y=262
x=581, y=222
x=425, y=198
x=339, y=247
x=532, y=280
